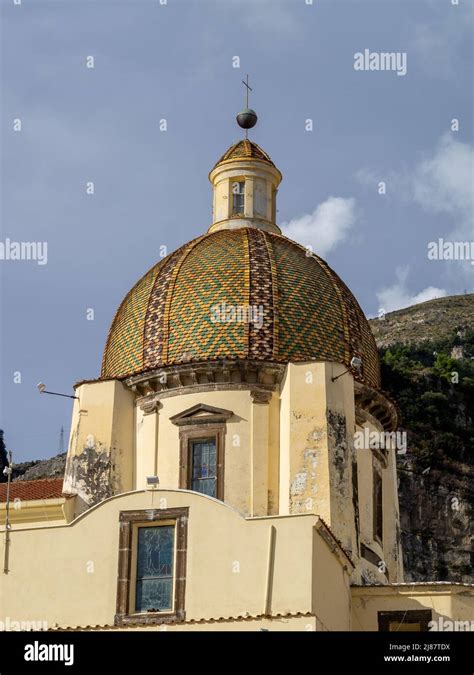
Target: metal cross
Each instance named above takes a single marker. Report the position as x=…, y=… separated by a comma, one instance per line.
x=248, y=89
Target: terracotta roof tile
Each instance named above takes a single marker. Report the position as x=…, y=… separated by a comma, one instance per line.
x=45, y=488
x=221, y=619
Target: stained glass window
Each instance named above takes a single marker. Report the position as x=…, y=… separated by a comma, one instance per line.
x=154, y=587
x=203, y=466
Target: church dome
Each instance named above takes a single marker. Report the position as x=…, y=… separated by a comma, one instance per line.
x=244, y=150
x=186, y=309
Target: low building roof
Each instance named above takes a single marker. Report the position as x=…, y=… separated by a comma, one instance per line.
x=29, y=490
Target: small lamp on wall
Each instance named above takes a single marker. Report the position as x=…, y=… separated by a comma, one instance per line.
x=356, y=364
x=42, y=390
x=152, y=482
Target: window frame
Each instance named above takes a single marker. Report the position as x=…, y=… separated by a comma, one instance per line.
x=134, y=570
x=404, y=617
x=192, y=443
x=377, y=506
x=239, y=181
x=201, y=432
x=368, y=554
x=130, y=522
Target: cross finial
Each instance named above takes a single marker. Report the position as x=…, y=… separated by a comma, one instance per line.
x=247, y=118
x=249, y=88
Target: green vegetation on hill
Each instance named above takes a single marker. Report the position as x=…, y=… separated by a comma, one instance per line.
x=435, y=393
x=431, y=377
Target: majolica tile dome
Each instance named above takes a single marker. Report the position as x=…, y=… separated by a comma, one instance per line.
x=181, y=310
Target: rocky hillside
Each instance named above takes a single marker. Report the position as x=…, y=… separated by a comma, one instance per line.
x=429, y=321
x=427, y=356
x=40, y=468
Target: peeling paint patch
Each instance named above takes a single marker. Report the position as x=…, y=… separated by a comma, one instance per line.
x=303, y=487
x=317, y=435
x=91, y=474
x=298, y=484
x=338, y=436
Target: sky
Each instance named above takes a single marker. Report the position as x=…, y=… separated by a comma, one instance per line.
x=114, y=111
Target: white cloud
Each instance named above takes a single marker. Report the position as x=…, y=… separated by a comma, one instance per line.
x=326, y=227
x=440, y=184
x=443, y=183
x=398, y=295
x=366, y=177
x=436, y=42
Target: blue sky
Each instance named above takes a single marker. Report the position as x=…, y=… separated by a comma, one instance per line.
x=175, y=62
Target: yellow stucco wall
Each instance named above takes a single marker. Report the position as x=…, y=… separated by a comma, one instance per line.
x=293, y=455
x=236, y=567
x=331, y=589
x=38, y=512
x=316, y=446
x=251, y=447
x=101, y=440
x=304, y=484
x=227, y=564
x=445, y=600
x=389, y=552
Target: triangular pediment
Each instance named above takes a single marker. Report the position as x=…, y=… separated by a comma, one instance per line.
x=201, y=413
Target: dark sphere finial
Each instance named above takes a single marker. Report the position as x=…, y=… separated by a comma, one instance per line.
x=247, y=118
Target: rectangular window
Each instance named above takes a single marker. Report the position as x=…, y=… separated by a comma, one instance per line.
x=204, y=466
x=410, y=620
x=151, y=566
x=155, y=561
x=378, y=507
x=202, y=451
x=238, y=192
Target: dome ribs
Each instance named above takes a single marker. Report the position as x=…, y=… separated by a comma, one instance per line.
x=247, y=281
x=185, y=251
x=309, y=314
x=276, y=310
x=261, y=338
x=153, y=337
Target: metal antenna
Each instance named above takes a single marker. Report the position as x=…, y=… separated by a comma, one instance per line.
x=8, y=470
x=61, y=441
